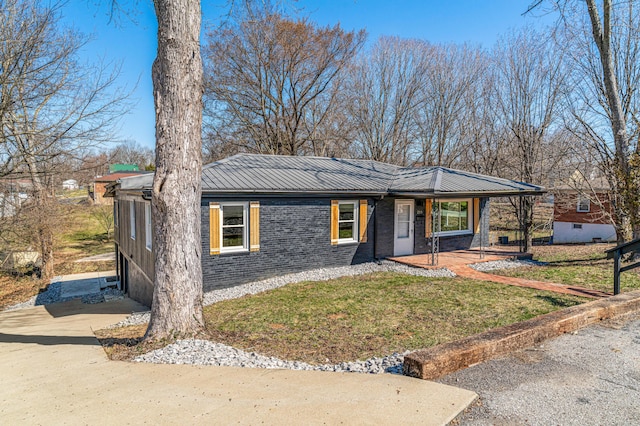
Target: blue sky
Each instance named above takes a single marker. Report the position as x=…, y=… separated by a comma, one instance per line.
x=133, y=44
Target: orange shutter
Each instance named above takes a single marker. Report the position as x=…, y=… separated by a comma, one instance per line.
x=335, y=214
x=254, y=226
x=363, y=221
x=428, y=214
x=476, y=215
x=214, y=228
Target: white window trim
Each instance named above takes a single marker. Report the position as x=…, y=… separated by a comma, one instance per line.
x=147, y=226
x=245, y=231
x=132, y=219
x=356, y=216
x=116, y=204
x=469, y=229
x=578, y=209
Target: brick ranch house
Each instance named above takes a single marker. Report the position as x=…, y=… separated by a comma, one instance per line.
x=266, y=215
x=582, y=213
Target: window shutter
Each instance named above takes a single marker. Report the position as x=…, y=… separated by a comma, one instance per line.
x=428, y=216
x=214, y=228
x=254, y=226
x=363, y=221
x=335, y=214
x=476, y=215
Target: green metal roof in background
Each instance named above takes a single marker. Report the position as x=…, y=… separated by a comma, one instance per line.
x=113, y=168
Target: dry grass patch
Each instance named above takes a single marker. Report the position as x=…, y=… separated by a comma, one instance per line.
x=125, y=343
x=579, y=265
x=15, y=289
x=81, y=235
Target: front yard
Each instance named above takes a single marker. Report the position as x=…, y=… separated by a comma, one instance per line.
x=353, y=318
x=579, y=265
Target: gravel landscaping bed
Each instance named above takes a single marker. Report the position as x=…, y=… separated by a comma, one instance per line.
x=203, y=352
x=504, y=264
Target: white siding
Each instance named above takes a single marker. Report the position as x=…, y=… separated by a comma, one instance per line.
x=565, y=233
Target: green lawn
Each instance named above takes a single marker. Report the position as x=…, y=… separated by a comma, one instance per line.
x=371, y=315
x=584, y=266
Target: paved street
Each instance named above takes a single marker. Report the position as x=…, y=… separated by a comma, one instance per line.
x=588, y=378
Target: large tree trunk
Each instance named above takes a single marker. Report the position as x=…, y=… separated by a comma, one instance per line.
x=177, y=81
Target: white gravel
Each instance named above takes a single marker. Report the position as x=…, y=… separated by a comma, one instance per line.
x=202, y=352
x=503, y=264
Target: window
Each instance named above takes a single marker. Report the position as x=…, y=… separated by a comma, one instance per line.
x=147, y=225
x=115, y=213
x=347, y=221
x=584, y=204
x=233, y=222
x=577, y=226
x=234, y=227
x=132, y=219
x=454, y=216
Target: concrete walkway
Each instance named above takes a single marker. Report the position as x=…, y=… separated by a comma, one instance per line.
x=54, y=371
x=77, y=285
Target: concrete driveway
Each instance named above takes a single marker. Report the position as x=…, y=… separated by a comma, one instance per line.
x=591, y=377
x=53, y=371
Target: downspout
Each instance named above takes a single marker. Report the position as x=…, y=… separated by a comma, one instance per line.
x=375, y=228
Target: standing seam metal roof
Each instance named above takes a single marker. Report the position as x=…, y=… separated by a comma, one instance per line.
x=254, y=173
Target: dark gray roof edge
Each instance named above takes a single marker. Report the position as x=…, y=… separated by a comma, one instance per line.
x=373, y=193
x=444, y=194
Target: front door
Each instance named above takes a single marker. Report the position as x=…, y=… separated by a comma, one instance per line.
x=403, y=229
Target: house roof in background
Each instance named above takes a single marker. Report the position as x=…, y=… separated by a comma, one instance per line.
x=599, y=184
x=112, y=177
x=275, y=174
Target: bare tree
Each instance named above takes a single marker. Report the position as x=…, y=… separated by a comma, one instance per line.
x=449, y=93
x=103, y=214
x=178, y=86
x=384, y=91
x=132, y=153
x=532, y=79
x=273, y=82
x=50, y=106
x=602, y=41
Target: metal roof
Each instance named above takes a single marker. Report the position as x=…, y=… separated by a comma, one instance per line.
x=274, y=173
x=444, y=181
x=277, y=174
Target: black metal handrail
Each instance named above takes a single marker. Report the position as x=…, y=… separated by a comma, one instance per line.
x=616, y=253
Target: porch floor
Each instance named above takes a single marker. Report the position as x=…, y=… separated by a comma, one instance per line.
x=447, y=259
x=458, y=262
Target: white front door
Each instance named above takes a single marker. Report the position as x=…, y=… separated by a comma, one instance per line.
x=403, y=229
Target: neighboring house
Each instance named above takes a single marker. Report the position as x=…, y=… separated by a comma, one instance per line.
x=264, y=216
x=70, y=184
x=582, y=213
x=97, y=188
